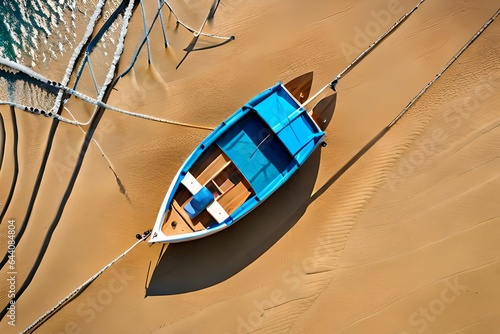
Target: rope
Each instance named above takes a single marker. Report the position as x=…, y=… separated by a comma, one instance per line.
x=364, y=53
x=94, y=140
x=37, y=111
x=75, y=292
x=161, y=120
x=382, y=132
x=374, y=44
x=193, y=30
x=69, y=70
x=452, y=60
x=37, y=76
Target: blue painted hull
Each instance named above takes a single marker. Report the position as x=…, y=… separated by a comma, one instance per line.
x=267, y=140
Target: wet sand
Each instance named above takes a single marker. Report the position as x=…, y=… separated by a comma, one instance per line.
x=404, y=241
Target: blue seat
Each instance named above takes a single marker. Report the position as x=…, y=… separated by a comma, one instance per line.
x=199, y=202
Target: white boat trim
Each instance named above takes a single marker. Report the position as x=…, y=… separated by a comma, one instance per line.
x=217, y=211
x=191, y=183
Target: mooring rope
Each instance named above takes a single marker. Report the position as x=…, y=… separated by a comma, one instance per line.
x=364, y=53
x=72, y=62
x=75, y=292
x=95, y=142
x=38, y=111
x=452, y=60
x=382, y=132
x=88, y=99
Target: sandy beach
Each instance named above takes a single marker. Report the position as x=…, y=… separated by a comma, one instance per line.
x=402, y=240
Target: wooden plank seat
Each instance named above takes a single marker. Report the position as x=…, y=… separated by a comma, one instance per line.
x=234, y=198
x=230, y=196
x=214, y=169
x=191, y=183
x=217, y=211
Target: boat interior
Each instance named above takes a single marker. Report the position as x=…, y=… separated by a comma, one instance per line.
x=254, y=153
x=208, y=193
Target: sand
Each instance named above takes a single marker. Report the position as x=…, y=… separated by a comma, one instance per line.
x=404, y=241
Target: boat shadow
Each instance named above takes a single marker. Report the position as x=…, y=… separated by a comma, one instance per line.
x=198, y=264
x=202, y=263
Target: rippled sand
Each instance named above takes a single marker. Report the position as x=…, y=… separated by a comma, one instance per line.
x=404, y=241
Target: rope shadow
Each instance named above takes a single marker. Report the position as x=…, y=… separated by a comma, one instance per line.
x=2, y=144
x=16, y=167
x=348, y=165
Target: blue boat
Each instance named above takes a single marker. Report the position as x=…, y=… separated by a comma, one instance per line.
x=240, y=164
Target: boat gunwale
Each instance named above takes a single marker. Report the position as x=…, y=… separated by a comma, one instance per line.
x=157, y=234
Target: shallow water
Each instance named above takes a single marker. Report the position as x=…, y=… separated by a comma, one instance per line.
x=28, y=29
x=44, y=36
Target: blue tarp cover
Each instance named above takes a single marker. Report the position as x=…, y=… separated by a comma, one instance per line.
x=281, y=112
x=259, y=164
x=262, y=144
x=276, y=108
